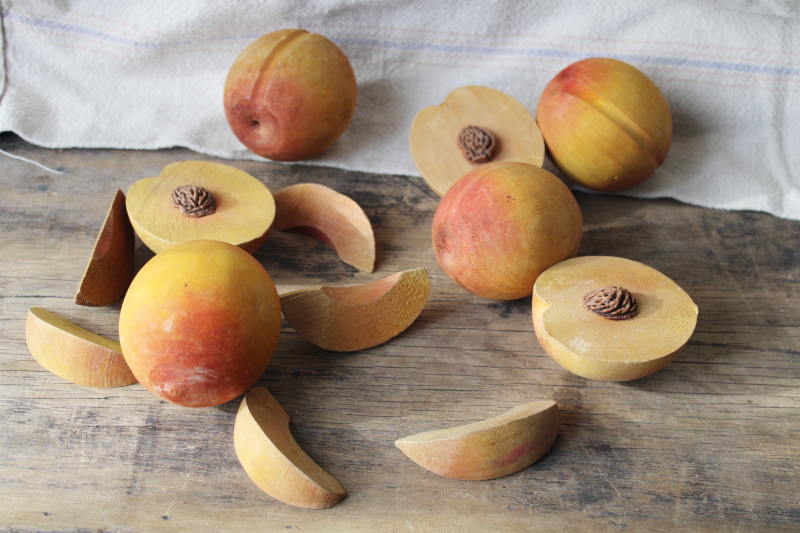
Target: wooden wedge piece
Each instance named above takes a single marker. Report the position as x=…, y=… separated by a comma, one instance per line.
x=110, y=268
x=194, y=200
x=490, y=448
x=74, y=353
x=345, y=319
x=272, y=458
x=331, y=217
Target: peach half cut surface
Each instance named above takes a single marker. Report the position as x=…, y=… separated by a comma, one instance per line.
x=335, y=219
x=110, y=268
x=273, y=459
x=74, y=353
x=346, y=319
x=488, y=449
x=595, y=347
x=241, y=214
x=435, y=131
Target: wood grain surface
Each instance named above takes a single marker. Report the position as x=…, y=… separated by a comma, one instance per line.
x=709, y=443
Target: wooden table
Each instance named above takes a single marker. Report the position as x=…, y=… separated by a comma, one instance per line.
x=709, y=443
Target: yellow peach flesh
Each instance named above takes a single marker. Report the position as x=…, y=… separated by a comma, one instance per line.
x=435, y=129
x=596, y=348
x=73, y=353
x=273, y=460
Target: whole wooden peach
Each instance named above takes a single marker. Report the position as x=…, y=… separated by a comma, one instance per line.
x=605, y=123
x=289, y=95
x=501, y=225
x=199, y=323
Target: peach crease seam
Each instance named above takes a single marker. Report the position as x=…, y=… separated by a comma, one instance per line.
x=270, y=63
x=615, y=114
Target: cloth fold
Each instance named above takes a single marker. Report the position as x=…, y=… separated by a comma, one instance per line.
x=148, y=75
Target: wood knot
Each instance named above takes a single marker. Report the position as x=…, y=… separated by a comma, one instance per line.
x=613, y=303
x=193, y=201
x=477, y=144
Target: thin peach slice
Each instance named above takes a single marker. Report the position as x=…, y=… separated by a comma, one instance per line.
x=345, y=319
x=110, y=268
x=242, y=213
x=274, y=461
x=434, y=136
x=488, y=449
x=331, y=217
x=73, y=353
x=615, y=347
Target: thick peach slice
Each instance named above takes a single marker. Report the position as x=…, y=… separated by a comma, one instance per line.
x=434, y=135
x=242, y=215
x=110, y=267
x=345, y=319
x=272, y=458
x=332, y=217
x=488, y=449
x=611, y=349
x=73, y=353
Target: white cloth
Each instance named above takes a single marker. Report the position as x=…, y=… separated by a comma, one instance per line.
x=150, y=74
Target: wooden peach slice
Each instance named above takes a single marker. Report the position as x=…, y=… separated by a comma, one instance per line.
x=434, y=137
x=110, y=268
x=73, y=353
x=345, y=319
x=195, y=200
x=273, y=459
x=488, y=449
x=332, y=217
x=622, y=338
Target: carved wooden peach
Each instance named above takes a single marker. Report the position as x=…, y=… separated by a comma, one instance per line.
x=440, y=156
x=501, y=225
x=74, y=353
x=274, y=461
x=332, y=217
x=488, y=449
x=242, y=213
x=596, y=344
x=200, y=323
x=345, y=319
x=606, y=124
x=110, y=268
x=290, y=94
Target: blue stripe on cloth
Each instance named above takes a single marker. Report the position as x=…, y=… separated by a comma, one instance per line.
x=748, y=68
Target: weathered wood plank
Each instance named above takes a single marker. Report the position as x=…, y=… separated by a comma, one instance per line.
x=710, y=443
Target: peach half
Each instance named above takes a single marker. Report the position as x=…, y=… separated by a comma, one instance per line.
x=440, y=151
x=488, y=449
x=503, y=224
x=200, y=323
x=222, y=203
x=346, y=319
x=272, y=458
x=627, y=338
x=331, y=217
x=74, y=353
x=290, y=94
x=607, y=126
